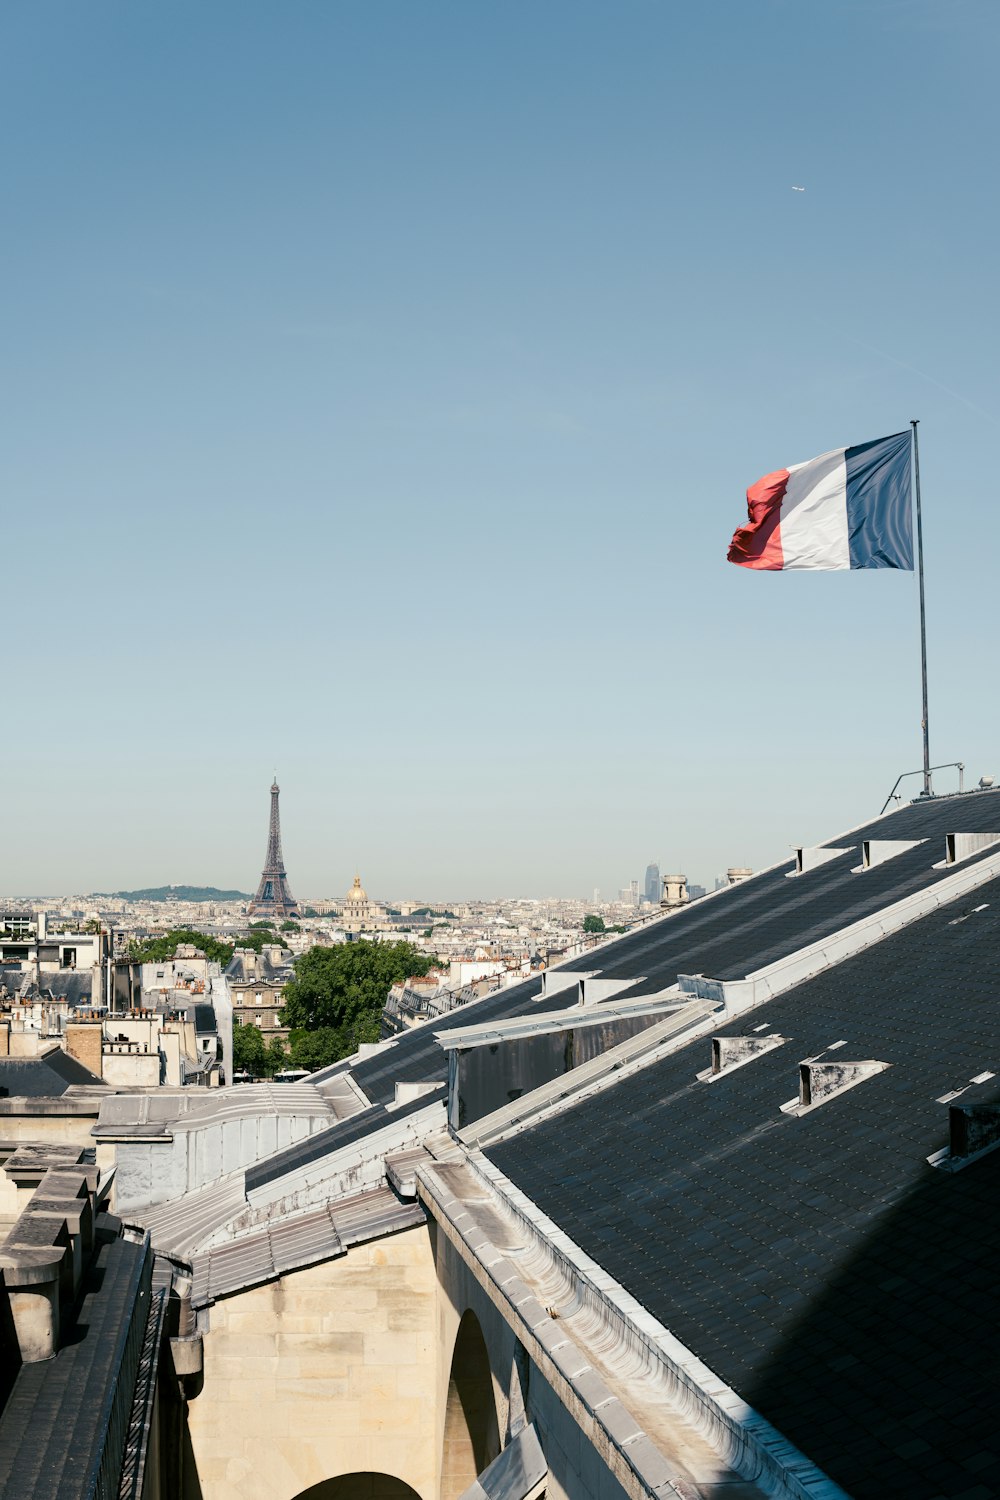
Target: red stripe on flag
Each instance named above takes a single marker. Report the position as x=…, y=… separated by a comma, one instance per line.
x=758, y=545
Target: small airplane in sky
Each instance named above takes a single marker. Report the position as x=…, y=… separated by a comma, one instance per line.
x=796, y=189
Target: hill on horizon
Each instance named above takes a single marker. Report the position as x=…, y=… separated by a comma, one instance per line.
x=178, y=893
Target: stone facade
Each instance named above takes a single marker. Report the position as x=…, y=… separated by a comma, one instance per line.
x=331, y=1370
x=256, y=982
x=392, y=1363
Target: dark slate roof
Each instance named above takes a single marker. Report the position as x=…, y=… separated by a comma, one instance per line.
x=42, y=1077
x=846, y=1289
x=761, y=920
x=71, y=985
x=265, y=971
x=53, y=1427
x=724, y=936
x=204, y=1018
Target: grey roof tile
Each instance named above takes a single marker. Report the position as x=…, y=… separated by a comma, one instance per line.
x=44, y=1077
x=817, y=1264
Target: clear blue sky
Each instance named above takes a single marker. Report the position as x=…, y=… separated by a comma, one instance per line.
x=381, y=382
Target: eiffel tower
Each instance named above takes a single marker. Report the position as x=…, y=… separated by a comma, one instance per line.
x=273, y=898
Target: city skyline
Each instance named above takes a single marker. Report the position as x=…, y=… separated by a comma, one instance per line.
x=369, y=372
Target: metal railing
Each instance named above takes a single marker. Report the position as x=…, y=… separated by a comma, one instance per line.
x=944, y=766
x=115, y=1408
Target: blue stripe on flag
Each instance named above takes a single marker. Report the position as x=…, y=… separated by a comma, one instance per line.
x=879, y=515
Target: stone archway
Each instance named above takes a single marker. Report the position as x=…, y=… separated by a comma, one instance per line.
x=362, y=1486
x=471, y=1429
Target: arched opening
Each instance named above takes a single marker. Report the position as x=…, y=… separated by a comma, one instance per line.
x=471, y=1430
x=366, y=1486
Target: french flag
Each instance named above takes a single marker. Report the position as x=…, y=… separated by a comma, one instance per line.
x=846, y=509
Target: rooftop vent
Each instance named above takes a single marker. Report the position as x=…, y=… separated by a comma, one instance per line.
x=407, y=1092
x=959, y=846
x=597, y=987
x=554, y=981
x=974, y=1131
x=877, y=851
x=731, y=1052
x=811, y=858
x=820, y=1081
x=985, y=782
x=736, y=874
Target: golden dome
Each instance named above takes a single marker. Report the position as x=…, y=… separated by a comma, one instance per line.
x=357, y=892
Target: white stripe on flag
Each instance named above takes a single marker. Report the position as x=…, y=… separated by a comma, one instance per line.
x=814, y=514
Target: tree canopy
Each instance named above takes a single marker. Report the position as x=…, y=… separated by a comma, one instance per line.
x=593, y=923
x=251, y=1054
x=344, y=988
x=317, y=1049
x=158, y=950
x=258, y=938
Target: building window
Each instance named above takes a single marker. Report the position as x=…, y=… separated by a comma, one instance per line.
x=257, y=1020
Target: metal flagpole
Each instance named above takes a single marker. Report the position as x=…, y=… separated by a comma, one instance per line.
x=923, y=613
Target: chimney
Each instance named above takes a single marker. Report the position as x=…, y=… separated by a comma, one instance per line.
x=84, y=1041
x=675, y=892
x=736, y=874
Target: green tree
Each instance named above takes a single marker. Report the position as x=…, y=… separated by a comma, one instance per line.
x=275, y=1056
x=261, y=927
x=249, y=1051
x=289, y=926
x=318, y=1049
x=258, y=938
x=251, y=1054
x=344, y=988
x=592, y=923
x=158, y=950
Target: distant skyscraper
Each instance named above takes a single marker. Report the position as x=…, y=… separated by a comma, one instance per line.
x=652, y=886
x=273, y=898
